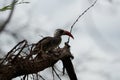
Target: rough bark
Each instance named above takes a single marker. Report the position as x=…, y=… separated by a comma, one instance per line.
x=68, y=65
x=13, y=66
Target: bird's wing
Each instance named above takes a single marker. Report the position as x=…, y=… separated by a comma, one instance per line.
x=47, y=43
x=43, y=44
x=45, y=39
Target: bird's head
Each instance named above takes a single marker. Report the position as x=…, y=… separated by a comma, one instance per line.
x=60, y=32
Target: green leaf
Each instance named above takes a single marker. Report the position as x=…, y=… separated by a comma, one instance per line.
x=6, y=8
x=9, y=7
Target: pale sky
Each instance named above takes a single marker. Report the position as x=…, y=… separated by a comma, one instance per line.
x=96, y=46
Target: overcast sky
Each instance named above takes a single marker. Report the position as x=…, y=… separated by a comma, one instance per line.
x=96, y=46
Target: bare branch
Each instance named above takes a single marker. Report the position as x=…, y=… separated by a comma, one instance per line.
x=79, y=18
x=19, y=65
x=11, y=51
x=55, y=73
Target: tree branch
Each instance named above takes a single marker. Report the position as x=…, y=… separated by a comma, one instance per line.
x=20, y=65
x=79, y=18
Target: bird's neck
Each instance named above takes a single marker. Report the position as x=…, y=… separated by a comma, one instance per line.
x=57, y=36
x=57, y=40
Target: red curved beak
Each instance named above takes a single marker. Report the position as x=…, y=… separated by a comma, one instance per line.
x=69, y=34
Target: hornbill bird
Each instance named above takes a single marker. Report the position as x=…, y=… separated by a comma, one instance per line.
x=48, y=44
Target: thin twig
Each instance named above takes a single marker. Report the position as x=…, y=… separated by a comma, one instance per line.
x=23, y=46
x=57, y=69
x=24, y=77
x=79, y=18
x=10, y=52
x=56, y=73
x=53, y=73
x=41, y=77
x=9, y=17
